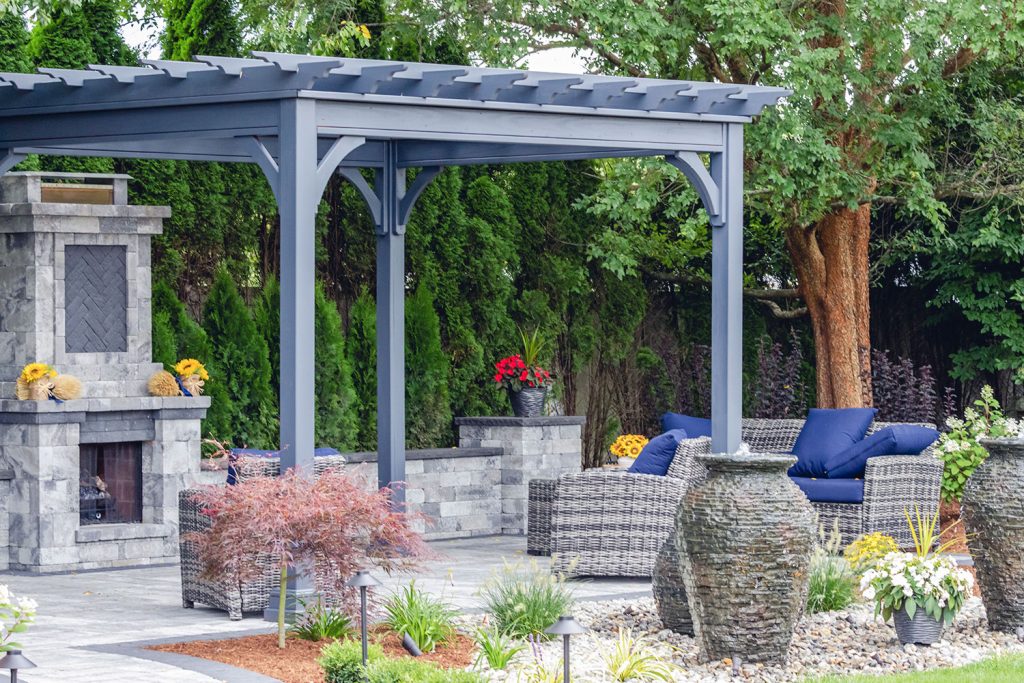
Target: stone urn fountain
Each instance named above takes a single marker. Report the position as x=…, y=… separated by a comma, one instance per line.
x=745, y=537
x=993, y=513
x=669, y=591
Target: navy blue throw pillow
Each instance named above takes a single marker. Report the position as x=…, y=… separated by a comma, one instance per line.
x=657, y=455
x=693, y=426
x=894, y=440
x=827, y=432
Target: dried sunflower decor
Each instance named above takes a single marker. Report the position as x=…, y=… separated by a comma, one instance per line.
x=163, y=383
x=192, y=376
x=39, y=382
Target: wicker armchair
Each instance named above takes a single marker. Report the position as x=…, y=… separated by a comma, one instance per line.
x=237, y=597
x=613, y=523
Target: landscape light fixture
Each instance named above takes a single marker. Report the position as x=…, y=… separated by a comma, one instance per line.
x=362, y=580
x=13, y=661
x=565, y=626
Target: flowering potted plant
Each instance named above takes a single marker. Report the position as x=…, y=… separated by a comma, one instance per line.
x=921, y=591
x=16, y=614
x=35, y=382
x=192, y=376
x=627, y=447
x=525, y=380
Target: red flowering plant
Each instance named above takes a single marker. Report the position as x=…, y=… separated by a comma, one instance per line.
x=514, y=373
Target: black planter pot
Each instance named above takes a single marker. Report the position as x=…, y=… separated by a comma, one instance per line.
x=527, y=402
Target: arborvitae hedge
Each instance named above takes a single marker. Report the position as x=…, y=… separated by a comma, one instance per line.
x=362, y=352
x=336, y=410
x=428, y=421
x=239, y=354
x=13, y=43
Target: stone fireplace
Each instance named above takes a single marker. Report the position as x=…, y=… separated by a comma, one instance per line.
x=91, y=482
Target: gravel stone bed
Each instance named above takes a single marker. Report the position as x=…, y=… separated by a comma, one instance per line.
x=850, y=641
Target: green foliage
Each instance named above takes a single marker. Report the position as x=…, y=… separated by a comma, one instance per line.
x=200, y=27
x=428, y=620
x=165, y=348
x=342, y=663
x=832, y=583
x=960, y=449
x=336, y=412
x=630, y=659
x=429, y=415
x=362, y=350
x=13, y=43
x=320, y=622
x=525, y=600
x=239, y=353
x=495, y=648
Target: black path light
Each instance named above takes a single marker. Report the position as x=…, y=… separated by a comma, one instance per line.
x=565, y=626
x=362, y=580
x=13, y=661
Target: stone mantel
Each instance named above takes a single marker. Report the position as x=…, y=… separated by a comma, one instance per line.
x=503, y=421
x=13, y=411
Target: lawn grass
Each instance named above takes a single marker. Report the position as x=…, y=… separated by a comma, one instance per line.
x=1002, y=669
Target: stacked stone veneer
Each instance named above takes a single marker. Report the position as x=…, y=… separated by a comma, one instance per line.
x=480, y=488
x=532, y=448
x=86, y=266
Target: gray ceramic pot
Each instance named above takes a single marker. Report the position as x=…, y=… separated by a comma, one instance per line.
x=923, y=629
x=993, y=513
x=527, y=402
x=745, y=536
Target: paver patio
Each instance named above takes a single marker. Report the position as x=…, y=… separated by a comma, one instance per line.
x=82, y=611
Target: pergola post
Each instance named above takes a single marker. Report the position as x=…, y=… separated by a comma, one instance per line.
x=390, y=188
x=727, y=296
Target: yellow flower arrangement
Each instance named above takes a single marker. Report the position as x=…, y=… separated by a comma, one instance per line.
x=863, y=553
x=628, y=445
x=187, y=367
x=36, y=371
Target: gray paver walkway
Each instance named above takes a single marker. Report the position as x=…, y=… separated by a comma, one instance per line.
x=77, y=611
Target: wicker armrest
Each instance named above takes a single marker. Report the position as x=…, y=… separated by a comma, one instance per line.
x=897, y=483
x=612, y=523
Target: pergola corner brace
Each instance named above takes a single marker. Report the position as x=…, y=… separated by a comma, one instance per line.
x=9, y=159
x=709, y=191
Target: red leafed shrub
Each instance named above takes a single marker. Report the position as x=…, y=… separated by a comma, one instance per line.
x=330, y=521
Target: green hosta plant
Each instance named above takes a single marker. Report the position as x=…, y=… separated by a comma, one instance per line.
x=631, y=659
x=959, y=448
x=428, y=620
x=495, y=648
x=16, y=615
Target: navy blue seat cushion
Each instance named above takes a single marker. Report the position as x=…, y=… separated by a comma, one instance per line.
x=831, y=490
x=693, y=426
x=827, y=432
x=657, y=455
x=262, y=453
x=894, y=440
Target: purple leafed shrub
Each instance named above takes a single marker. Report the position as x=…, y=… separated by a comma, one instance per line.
x=905, y=393
x=695, y=381
x=780, y=391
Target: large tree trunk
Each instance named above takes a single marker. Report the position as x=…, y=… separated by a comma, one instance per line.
x=831, y=262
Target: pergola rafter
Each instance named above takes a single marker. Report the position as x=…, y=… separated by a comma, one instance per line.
x=302, y=118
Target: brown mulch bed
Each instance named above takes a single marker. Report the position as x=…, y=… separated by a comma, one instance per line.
x=949, y=514
x=297, y=662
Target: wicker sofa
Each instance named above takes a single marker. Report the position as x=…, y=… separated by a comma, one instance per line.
x=613, y=523
x=237, y=597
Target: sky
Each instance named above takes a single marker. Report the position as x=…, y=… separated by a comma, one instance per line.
x=556, y=60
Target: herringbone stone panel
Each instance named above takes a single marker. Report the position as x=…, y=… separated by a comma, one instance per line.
x=95, y=299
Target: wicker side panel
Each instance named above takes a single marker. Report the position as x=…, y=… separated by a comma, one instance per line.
x=538, y=519
x=897, y=483
x=612, y=523
x=849, y=516
x=250, y=466
x=771, y=436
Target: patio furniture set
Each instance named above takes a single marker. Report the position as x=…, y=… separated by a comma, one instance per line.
x=614, y=523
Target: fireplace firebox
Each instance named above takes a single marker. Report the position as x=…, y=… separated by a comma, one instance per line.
x=110, y=483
